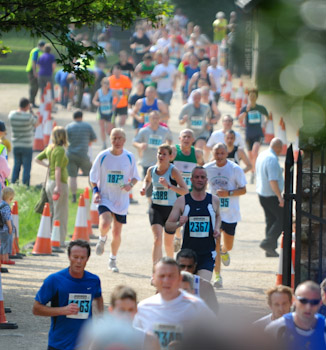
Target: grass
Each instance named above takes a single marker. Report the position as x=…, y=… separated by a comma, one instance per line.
x=13, y=75
x=29, y=220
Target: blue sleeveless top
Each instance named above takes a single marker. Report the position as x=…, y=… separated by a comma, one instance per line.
x=198, y=230
x=146, y=109
x=162, y=195
x=106, y=102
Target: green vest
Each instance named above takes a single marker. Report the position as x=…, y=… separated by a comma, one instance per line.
x=2, y=148
x=29, y=66
x=185, y=164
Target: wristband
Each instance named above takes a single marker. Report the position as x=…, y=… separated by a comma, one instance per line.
x=95, y=189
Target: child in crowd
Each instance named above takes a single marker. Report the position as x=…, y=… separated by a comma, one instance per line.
x=6, y=226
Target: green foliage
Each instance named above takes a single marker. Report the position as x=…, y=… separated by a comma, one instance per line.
x=51, y=19
x=29, y=221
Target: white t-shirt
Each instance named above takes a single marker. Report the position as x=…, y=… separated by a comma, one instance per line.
x=263, y=322
x=162, y=43
x=228, y=177
x=168, y=319
x=110, y=172
x=191, y=96
x=164, y=84
x=218, y=136
x=217, y=74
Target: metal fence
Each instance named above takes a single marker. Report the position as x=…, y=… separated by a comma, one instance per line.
x=310, y=222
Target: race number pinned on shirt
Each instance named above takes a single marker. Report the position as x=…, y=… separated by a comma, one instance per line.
x=106, y=107
x=140, y=48
x=254, y=117
x=167, y=333
x=84, y=303
x=154, y=141
x=115, y=177
x=187, y=179
x=160, y=196
x=199, y=226
x=196, y=122
x=147, y=80
x=224, y=204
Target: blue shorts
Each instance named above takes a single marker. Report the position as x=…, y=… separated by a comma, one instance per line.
x=120, y=218
x=206, y=261
x=229, y=228
x=165, y=97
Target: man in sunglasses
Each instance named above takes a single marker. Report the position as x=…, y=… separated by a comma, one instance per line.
x=304, y=328
x=187, y=260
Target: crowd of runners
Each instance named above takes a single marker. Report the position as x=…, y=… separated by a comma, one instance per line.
x=192, y=187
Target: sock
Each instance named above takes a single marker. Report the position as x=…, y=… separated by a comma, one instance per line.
x=103, y=239
x=113, y=257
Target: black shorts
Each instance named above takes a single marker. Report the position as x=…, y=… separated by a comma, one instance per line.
x=121, y=111
x=158, y=214
x=120, y=218
x=229, y=228
x=250, y=141
x=206, y=261
x=217, y=97
x=106, y=117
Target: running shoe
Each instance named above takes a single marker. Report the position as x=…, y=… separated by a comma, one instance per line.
x=113, y=265
x=218, y=283
x=99, y=249
x=225, y=258
x=177, y=244
x=133, y=201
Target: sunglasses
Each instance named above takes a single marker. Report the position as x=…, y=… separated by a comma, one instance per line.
x=312, y=302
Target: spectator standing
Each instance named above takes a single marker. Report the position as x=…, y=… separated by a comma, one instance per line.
x=57, y=186
x=269, y=187
x=46, y=64
x=80, y=135
x=31, y=70
x=22, y=122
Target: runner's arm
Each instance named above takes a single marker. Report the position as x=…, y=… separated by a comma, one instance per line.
x=245, y=159
x=147, y=181
x=95, y=100
x=175, y=219
x=43, y=310
x=192, y=81
x=163, y=109
x=99, y=304
x=216, y=206
x=182, y=189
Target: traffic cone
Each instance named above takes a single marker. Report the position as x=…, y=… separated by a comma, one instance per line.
x=80, y=231
x=47, y=119
x=245, y=98
x=269, y=130
x=279, y=275
x=239, y=99
x=282, y=136
x=42, y=244
x=38, y=144
x=4, y=324
x=15, y=242
x=55, y=237
x=94, y=214
x=232, y=97
x=87, y=205
x=228, y=88
x=296, y=148
x=57, y=93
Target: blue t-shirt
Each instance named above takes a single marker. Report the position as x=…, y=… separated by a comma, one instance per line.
x=5, y=212
x=60, y=289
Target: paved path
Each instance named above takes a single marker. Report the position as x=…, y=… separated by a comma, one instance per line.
x=245, y=280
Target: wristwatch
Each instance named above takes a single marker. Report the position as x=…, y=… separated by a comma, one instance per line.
x=230, y=193
x=131, y=184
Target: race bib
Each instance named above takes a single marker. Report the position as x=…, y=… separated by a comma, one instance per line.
x=167, y=333
x=106, y=108
x=160, y=196
x=154, y=141
x=140, y=48
x=187, y=179
x=224, y=204
x=147, y=80
x=254, y=117
x=84, y=303
x=199, y=226
x=115, y=177
x=146, y=117
x=196, y=122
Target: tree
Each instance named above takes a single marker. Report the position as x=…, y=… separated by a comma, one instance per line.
x=51, y=19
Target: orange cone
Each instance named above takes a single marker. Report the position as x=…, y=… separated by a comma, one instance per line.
x=94, y=214
x=282, y=136
x=4, y=324
x=42, y=244
x=269, y=130
x=245, y=98
x=88, y=214
x=80, y=231
x=279, y=274
x=56, y=93
x=15, y=241
x=55, y=237
x=239, y=99
x=38, y=144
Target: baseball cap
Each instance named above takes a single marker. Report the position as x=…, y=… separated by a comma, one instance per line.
x=41, y=43
x=2, y=126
